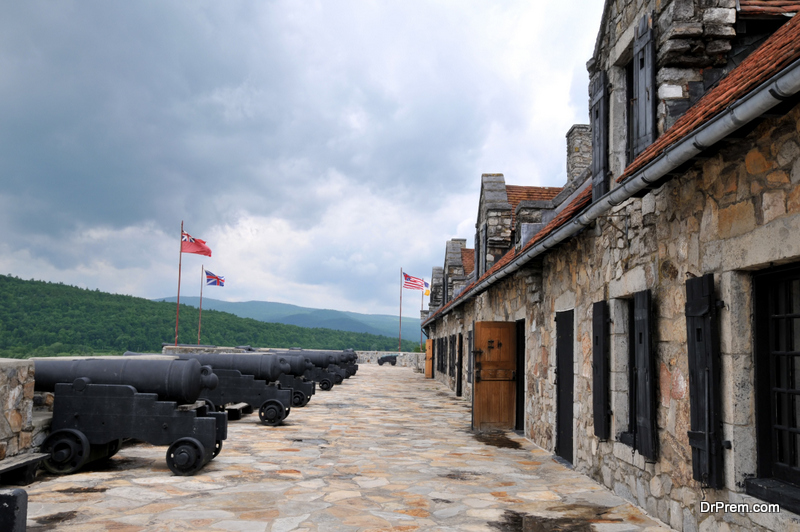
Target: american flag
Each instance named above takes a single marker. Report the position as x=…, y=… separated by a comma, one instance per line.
x=214, y=280
x=413, y=283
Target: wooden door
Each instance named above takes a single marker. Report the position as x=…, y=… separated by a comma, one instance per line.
x=429, y=359
x=493, y=403
x=565, y=380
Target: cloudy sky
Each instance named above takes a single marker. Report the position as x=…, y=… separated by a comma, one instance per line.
x=317, y=146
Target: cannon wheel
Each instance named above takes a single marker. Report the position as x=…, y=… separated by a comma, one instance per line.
x=394, y=362
x=185, y=456
x=308, y=398
x=380, y=362
x=69, y=451
x=298, y=398
x=114, y=447
x=217, y=448
x=325, y=385
x=272, y=412
x=338, y=378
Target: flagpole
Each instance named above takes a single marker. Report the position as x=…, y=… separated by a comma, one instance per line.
x=178, y=311
x=421, y=302
x=400, y=330
x=200, y=319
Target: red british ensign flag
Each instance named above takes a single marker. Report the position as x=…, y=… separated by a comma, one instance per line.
x=413, y=283
x=189, y=244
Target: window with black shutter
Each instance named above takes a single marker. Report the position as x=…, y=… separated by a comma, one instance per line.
x=443, y=348
x=600, y=370
x=599, y=121
x=777, y=387
x=643, y=100
x=642, y=432
x=452, y=357
x=705, y=436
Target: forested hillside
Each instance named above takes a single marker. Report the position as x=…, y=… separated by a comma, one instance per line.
x=47, y=319
x=380, y=324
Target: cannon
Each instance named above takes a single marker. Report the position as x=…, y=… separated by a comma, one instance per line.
x=387, y=359
x=296, y=380
x=324, y=372
x=340, y=363
x=99, y=402
x=272, y=401
x=246, y=378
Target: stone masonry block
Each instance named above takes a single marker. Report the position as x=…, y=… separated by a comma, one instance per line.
x=719, y=15
x=737, y=219
x=735, y=290
x=670, y=91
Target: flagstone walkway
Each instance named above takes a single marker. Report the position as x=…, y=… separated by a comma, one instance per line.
x=386, y=450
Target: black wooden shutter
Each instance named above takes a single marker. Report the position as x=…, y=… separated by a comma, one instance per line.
x=600, y=367
x=644, y=86
x=646, y=430
x=471, y=358
x=705, y=435
x=452, y=357
x=599, y=121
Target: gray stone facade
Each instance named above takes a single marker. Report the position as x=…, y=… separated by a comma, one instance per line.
x=734, y=213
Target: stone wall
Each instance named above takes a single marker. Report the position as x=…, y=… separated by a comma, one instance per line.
x=408, y=360
x=732, y=214
x=736, y=212
x=16, y=392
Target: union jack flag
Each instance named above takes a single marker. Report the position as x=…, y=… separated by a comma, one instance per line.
x=413, y=283
x=214, y=280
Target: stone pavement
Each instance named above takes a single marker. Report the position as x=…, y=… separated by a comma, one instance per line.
x=386, y=450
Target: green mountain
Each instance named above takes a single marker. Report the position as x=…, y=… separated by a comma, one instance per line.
x=48, y=319
x=268, y=311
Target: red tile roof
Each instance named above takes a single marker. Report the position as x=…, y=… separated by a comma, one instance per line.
x=768, y=7
x=468, y=260
x=575, y=206
x=777, y=52
x=517, y=194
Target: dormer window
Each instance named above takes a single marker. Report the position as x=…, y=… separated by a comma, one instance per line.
x=637, y=119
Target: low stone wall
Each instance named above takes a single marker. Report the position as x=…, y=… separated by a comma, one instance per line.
x=17, y=427
x=411, y=360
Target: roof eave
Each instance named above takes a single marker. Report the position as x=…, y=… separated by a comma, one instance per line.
x=775, y=90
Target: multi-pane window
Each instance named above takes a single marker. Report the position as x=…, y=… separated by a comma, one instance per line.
x=778, y=374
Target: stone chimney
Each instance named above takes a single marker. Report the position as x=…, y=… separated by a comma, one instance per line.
x=579, y=150
x=437, y=289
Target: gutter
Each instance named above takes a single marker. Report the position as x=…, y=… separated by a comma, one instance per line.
x=781, y=87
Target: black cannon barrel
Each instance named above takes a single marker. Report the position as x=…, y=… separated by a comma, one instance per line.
x=262, y=366
x=321, y=360
x=298, y=364
x=173, y=380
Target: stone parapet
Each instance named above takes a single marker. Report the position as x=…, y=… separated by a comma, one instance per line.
x=16, y=393
x=405, y=359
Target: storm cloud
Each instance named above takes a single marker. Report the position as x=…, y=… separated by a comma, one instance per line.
x=316, y=146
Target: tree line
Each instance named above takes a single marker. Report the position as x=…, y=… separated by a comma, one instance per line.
x=40, y=318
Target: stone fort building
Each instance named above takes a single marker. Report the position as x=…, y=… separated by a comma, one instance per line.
x=643, y=321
